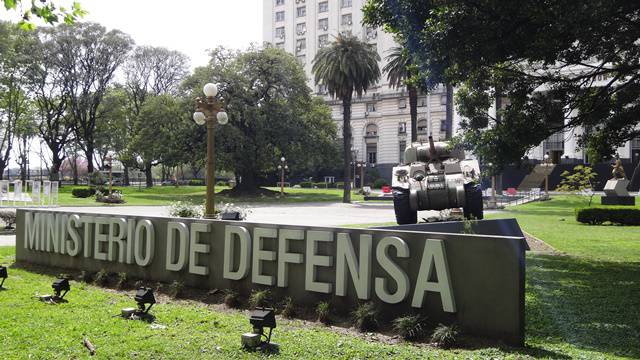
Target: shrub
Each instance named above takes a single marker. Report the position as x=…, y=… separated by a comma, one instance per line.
x=222, y=183
x=321, y=185
x=582, y=178
x=196, y=182
x=231, y=298
x=322, y=310
x=331, y=185
x=83, y=192
x=185, y=210
x=122, y=280
x=288, y=308
x=86, y=276
x=97, y=178
x=364, y=317
x=175, y=289
x=445, y=336
x=102, y=277
x=259, y=298
x=614, y=215
x=306, y=184
x=379, y=183
x=8, y=216
x=409, y=327
x=339, y=184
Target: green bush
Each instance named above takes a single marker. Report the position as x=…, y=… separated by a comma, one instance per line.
x=97, y=178
x=339, y=185
x=322, y=310
x=231, y=298
x=222, y=183
x=613, y=215
x=83, y=192
x=445, y=336
x=260, y=298
x=331, y=185
x=196, y=182
x=321, y=185
x=379, y=183
x=306, y=184
x=364, y=317
x=175, y=289
x=288, y=308
x=185, y=210
x=409, y=327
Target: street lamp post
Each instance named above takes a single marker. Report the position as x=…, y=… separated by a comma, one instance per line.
x=361, y=166
x=109, y=160
x=206, y=111
x=282, y=167
x=546, y=175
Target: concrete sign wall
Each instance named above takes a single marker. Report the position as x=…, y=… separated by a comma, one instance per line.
x=475, y=281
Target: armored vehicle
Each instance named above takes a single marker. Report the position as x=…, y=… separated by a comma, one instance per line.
x=436, y=176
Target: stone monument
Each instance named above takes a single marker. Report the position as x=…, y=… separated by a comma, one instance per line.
x=615, y=191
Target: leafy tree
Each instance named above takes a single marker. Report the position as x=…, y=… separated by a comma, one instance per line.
x=88, y=57
x=582, y=178
x=401, y=72
x=271, y=114
x=536, y=62
x=346, y=66
x=46, y=10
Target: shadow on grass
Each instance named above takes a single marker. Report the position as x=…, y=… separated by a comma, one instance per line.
x=589, y=304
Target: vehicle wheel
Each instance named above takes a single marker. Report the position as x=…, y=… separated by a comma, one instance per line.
x=404, y=214
x=473, y=199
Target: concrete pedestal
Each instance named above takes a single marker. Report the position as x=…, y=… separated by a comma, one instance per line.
x=618, y=200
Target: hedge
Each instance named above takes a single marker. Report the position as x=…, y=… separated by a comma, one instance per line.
x=379, y=183
x=83, y=192
x=196, y=182
x=306, y=184
x=614, y=215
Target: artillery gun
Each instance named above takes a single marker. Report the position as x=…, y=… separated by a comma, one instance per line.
x=436, y=176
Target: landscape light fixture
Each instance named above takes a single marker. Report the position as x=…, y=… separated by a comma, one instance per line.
x=3, y=275
x=260, y=318
x=60, y=285
x=144, y=296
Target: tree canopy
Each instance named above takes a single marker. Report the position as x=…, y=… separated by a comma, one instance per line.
x=551, y=66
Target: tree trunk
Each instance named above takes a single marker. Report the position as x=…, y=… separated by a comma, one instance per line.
x=2, y=167
x=54, y=174
x=148, y=176
x=249, y=183
x=449, y=108
x=89, y=155
x=413, y=110
x=74, y=169
x=125, y=175
x=346, y=137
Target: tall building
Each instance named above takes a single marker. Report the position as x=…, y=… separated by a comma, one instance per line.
x=380, y=122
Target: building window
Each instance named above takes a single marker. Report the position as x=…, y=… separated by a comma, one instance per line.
x=371, y=130
x=301, y=44
x=443, y=126
x=423, y=127
x=402, y=103
x=280, y=16
x=323, y=24
x=402, y=147
x=301, y=11
x=422, y=101
x=372, y=153
x=443, y=100
x=323, y=40
x=371, y=107
x=279, y=2
x=345, y=3
x=280, y=33
x=280, y=45
x=323, y=7
x=346, y=20
x=301, y=28
x=402, y=128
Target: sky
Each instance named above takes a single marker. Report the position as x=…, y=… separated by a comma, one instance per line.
x=189, y=26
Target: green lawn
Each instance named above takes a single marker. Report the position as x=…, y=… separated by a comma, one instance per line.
x=164, y=195
x=554, y=222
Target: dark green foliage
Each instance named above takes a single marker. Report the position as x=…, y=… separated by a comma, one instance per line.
x=365, y=317
x=86, y=276
x=260, y=298
x=288, y=308
x=306, y=184
x=175, y=289
x=339, y=184
x=196, y=182
x=122, y=280
x=379, y=183
x=231, y=298
x=101, y=278
x=323, y=310
x=222, y=183
x=320, y=185
x=582, y=178
x=445, y=336
x=613, y=215
x=410, y=327
x=83, y=192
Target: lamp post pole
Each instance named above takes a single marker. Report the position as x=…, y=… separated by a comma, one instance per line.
x=206, y=112
x=110, y=164
x=546, y=175
x=282, y=167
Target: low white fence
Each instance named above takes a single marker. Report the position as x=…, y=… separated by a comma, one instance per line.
x=28, y=193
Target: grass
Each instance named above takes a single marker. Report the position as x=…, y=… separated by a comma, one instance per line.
x=164, y=195
x=554, y=222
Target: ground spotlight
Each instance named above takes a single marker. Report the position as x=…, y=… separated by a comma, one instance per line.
x=3, y=275
x=60, y=285
x=144, y=296
x=260, y=318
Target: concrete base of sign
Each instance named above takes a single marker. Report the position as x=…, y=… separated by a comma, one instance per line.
x=250, y=340
x=618, y=200
x=616, y=187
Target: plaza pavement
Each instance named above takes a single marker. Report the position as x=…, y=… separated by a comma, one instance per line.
x=312, y=214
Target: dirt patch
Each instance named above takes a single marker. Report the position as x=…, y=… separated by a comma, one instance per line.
x=538, y=246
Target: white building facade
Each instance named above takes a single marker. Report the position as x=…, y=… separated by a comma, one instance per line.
x=381, y=122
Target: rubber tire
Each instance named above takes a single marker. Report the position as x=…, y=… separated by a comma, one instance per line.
x=473, y=199
x=402, y=208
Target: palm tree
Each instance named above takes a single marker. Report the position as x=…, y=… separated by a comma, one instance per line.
x=346, y=66
x=399, y=71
